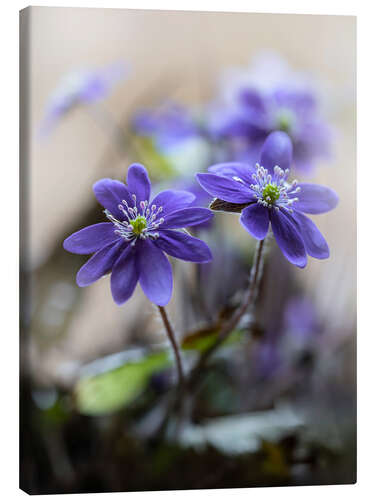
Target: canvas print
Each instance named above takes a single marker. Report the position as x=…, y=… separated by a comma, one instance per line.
x=188, y=250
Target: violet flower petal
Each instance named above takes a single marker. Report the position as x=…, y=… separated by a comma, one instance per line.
x=155, y=273
x=315, y=199
x=139, y=182
x=185, y=217
x=124, y=276
x=315, y=244
x=183, y=246
x=225, y=189
x=168, y=125
x=91, y=238
x=172, y=200
x=110, y=194
x=243, y=125
x=255, y=219
x=276, y=150
x=99, y=264
x=303, y=165
x=234, y=169
x=288, y=238
x=252, y=100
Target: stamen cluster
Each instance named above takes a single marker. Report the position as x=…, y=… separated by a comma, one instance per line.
x=141, y=223
x=273, y=190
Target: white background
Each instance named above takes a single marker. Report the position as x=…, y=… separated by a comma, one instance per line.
x=365, y=488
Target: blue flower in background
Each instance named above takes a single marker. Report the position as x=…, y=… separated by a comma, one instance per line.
x=132, y=244
x=270, y=97
x=80, y=87
x=265, y=196
x=168, y=125
x=177, y=134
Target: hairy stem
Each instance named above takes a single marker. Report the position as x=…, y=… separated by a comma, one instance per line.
x=248, y=301
x=172, y=338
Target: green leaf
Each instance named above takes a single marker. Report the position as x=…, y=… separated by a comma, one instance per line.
x=203, y=339
x=110, y=391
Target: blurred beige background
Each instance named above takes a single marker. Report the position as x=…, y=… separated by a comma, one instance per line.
x=181, y=55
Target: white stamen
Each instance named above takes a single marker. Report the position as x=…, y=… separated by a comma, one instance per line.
x=125, y=228
x=263, y=179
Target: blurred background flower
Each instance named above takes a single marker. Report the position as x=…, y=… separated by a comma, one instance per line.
x=79, y=88
x=268, y=96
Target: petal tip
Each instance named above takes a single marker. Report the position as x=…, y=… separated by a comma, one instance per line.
x=81, y=283
x=277, y=149
x=137, y=171
x=100, y=182
x=209, y=257
x=301, y=265
x=65, y=244
x=336, y=199
x=137, y=166
x=162, y=303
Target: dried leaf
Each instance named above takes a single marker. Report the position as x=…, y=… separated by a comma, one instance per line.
x=225, y=206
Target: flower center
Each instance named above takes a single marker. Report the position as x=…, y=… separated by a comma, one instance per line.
x=271, y=193
x=138, y=224
x=285, y=120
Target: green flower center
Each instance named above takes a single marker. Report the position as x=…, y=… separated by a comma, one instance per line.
x=138, y=224
x=271, y=193
x=285, y=120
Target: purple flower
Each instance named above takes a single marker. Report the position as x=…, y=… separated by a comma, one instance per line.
x=264, y=196
x=80, y=87
x=168, y=125
x=258, y=107
x=132, y=244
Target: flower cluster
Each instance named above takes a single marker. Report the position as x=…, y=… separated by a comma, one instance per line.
x=265, y=197
x=258, y=106
x=278, y=125
x=132, y=243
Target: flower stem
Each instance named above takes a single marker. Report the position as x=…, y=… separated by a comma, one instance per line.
x=172, y=338
x=248, y=301
x=177, y=402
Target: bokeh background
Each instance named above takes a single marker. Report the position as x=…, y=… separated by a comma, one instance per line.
x=181, y=56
